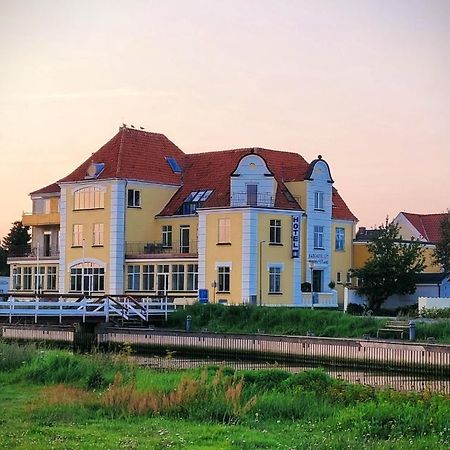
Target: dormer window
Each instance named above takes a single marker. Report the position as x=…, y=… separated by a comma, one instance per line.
x=194, y=201
x=173, y=163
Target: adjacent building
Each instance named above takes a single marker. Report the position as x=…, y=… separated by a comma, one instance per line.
x=141, y=217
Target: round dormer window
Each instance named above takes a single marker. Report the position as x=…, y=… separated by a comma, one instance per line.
x=252, y=166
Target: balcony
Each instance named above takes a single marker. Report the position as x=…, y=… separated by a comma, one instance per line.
x=253, y=199
x=36, y=219
x=29, y=252
x=157, y=249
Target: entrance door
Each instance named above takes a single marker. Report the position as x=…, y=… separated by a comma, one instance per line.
x=184, y=239
x=162, y=279
x=317, y=280
x=87, y=281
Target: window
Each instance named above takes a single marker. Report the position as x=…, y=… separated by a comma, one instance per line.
x=17, y=278
x=39, y=277
x=134, y=198
x=177, y=277
x=148, y=277
x=192, y=277
x=224, y=231
x=98, y=234
x=194, y=201
x=134, y=277
x=274, y=280
x=252, y=194
x=173, y=163
x=223, y=279
x=318, y=200
x=318, y=236
x=87, y=278
x=28, y=278
x=51, y=278
x=77, y=235
x=88, y=198
x=349, y=277
x=167, y=236
x=338, y=277
x=275, y=231
x=340, y=238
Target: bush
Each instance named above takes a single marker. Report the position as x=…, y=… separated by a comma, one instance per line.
x=14, y=355
x=355, y=309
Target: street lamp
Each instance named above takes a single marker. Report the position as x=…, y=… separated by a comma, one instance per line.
x=311, y=266
x=260, y=272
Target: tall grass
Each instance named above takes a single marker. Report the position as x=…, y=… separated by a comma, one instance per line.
x=291, y=321
x=14, y=355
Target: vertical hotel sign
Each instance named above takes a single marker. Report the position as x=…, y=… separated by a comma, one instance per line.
x=295, y=236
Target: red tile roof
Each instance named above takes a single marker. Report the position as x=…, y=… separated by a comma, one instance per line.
x=428, y=225
x=50, y=189
x=140, y=155
x=133, y=155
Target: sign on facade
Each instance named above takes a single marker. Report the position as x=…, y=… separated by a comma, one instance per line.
x=295, y=236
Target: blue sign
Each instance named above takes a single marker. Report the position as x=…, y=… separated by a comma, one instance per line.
x=203, y=295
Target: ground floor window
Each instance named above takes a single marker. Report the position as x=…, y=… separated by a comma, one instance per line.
x=27, y=278
x=274, y=280
x=223, y=279
x=51, y=278
x=192, y=277
x=148, y=277
x=177, y=277
x=134, y=278
x=17, y=278
x=87, y=278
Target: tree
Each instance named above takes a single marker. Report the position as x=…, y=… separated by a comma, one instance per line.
x=441, y=254
x=391, y=268
x=3, y=263
x=16, y=242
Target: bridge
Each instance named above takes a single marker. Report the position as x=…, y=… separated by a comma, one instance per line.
x=102, y=309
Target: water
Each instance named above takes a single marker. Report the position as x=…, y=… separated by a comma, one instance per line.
x=377, y=379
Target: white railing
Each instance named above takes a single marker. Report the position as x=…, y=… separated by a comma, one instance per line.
x=106, y=307
x=433, y=303
x=319, y=300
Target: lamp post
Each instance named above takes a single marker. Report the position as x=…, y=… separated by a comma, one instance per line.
x=311, y=266
x=260, y=272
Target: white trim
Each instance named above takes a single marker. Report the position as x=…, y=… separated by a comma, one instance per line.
x=250, y=251
x=117, y=238
x=75, y=262
x=107, y=181
x=91, y=185
x=243, y=209
x=277, y=265
x=228, y=264
x=189, y=260
x=201, y=251
x=62, y=240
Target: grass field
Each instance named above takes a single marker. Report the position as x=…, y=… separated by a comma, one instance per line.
x=292, y=321
x=55, y=400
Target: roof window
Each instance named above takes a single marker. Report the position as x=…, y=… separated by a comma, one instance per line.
x=193, y=201
x=173, y=163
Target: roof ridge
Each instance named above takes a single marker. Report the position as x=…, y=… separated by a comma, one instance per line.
x=244, y=149
x=119, y=155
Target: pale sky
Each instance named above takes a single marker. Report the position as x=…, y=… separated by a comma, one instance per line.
x=364, y=83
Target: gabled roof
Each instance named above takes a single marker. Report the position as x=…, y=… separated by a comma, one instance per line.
x=340, y=209
x=134, y=155
x=427, y=225
x=212, y=170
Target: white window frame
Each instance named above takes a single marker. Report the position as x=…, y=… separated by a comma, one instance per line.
x=223, y=278
x=192, y=277
x=275, y=231
x=275, y=279
x=319, y=201
x=167, y=236
x=91, y=197
x=148, y=277
x=52, y=278
x=135, y=200
x=178, y=272
x=134, y=277
x=318, y=236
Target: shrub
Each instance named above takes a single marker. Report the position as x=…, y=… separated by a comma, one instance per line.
x=14, y=355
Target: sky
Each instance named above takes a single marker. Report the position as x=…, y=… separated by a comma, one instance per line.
x=364, y=83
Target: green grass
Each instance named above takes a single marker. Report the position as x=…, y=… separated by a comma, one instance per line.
x=289, y=411
x=292, y=321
